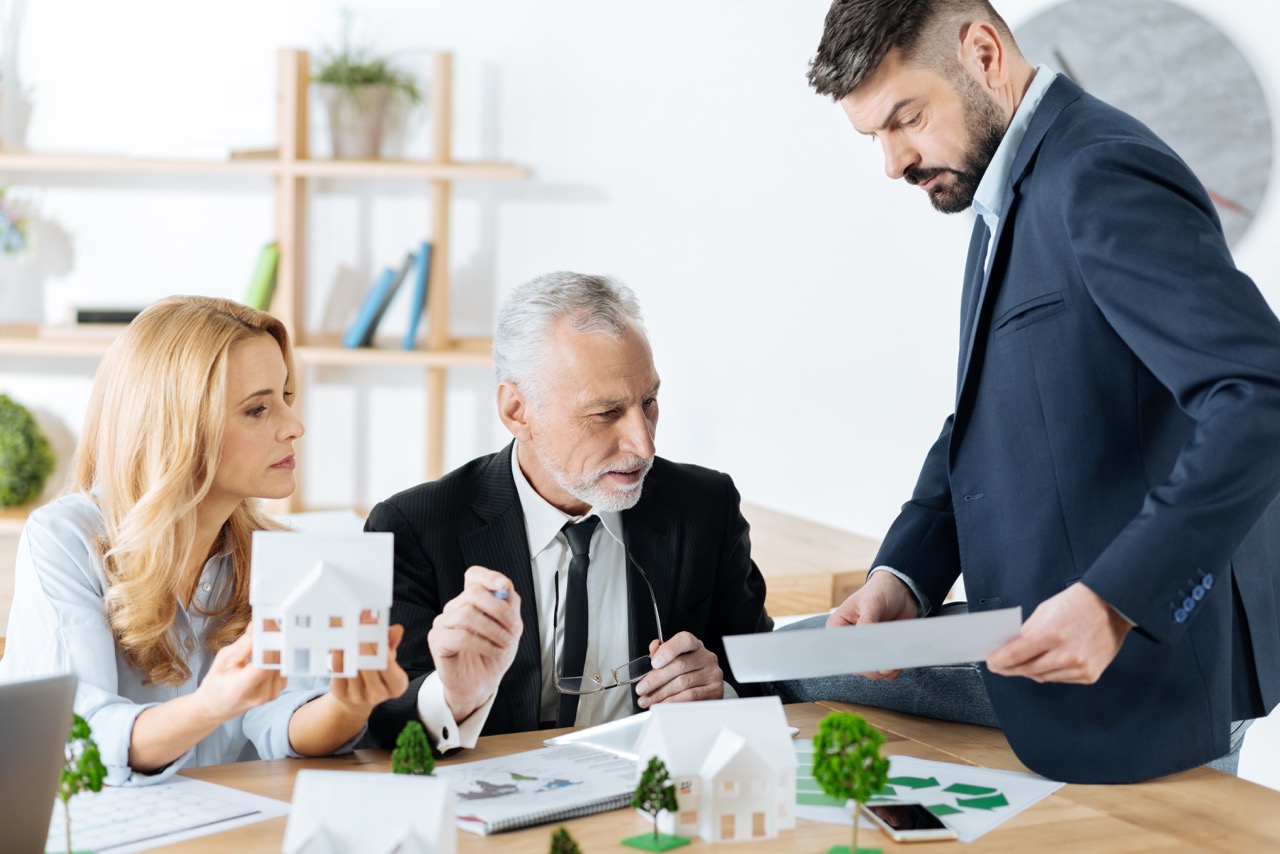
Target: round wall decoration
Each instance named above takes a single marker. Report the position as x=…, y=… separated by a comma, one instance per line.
x=1180, y=75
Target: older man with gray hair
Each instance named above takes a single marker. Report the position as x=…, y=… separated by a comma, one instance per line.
x=573, y=577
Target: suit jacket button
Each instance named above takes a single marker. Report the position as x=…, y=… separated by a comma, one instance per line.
x=1188, y=604
x=1197, y=592
x=1179, y=616
x=1207, y=581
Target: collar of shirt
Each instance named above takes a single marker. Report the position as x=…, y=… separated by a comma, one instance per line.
x=543, y=520
x=988, y=199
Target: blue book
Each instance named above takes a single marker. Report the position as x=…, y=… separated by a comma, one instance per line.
x=421, y=276
x=360, y=333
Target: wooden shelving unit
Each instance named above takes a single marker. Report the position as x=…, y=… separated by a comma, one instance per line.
x=291, y=168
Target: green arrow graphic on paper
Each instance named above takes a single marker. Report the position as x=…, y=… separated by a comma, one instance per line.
x=943, y=809
x=914, y=782
x=966, y=789
x=989, y=802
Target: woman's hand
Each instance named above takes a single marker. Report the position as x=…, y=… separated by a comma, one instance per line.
x=233, y=685
x=360, y=693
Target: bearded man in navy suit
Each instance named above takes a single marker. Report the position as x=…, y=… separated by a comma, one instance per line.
x=1113, y=459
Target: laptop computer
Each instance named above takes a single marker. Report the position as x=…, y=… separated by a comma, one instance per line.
x=35, y=718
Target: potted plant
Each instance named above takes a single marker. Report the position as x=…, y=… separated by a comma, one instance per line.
x=13, y=227
x=357, y=86
x=26, y=460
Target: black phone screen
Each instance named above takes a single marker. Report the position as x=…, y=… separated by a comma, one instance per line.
x=906, y=816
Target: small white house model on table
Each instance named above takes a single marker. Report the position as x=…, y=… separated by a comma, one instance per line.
x=321, y=603
x=335, y=812
x=732, y=763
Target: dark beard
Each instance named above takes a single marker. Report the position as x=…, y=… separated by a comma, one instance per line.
x=985, y=127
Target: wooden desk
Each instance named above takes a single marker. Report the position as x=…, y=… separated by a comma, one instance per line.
x=1199, y=810
x=808, y=567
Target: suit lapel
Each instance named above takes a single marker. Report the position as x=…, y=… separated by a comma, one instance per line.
x=501, y=544
x=971, y=297
x=1060, y=93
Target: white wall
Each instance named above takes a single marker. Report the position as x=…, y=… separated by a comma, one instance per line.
x=803, y=309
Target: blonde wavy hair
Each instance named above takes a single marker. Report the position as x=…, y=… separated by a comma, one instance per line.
x=150, y=447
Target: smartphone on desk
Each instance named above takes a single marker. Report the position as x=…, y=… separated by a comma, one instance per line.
x=908, y=822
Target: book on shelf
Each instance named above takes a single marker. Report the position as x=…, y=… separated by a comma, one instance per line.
x=262, y=284
x=90, y=322
x=121, y=316
x=421, y=280
x=369, y=315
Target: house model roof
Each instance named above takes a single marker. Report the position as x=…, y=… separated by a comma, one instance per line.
x=687, y=734
x=285, y=563
x=356, y=811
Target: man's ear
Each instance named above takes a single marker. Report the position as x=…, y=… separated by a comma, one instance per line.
x=514, y=410
x=983, y=55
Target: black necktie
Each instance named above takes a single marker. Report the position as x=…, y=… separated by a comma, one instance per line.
x=574, y=655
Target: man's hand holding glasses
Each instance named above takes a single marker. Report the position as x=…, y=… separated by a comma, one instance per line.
x=683, y=670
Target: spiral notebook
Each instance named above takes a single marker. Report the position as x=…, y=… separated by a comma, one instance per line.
x=549, y=784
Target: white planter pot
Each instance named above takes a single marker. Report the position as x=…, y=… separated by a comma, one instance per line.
x=356, y=119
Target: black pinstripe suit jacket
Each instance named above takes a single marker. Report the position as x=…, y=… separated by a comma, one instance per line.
x=686, y=531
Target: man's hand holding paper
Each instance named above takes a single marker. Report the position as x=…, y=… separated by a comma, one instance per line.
x=882, y=599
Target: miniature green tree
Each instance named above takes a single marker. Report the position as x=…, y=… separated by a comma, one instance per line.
x=562, y=842
x=847, y=762
x=655, y=792
x=413, y=753
x=82, y=768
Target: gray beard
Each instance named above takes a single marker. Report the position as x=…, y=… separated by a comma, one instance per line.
x=588, y=489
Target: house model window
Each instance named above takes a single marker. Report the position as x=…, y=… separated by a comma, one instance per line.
x=320, y=602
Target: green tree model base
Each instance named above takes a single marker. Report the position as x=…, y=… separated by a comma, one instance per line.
x=844, y=849
x=646, y=842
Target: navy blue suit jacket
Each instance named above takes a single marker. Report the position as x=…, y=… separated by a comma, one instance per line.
x=686, y=531
x=1117, y=423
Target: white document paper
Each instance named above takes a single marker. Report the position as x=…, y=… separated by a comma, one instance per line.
x=123, y=820
x=932, y=641
x=970, y=800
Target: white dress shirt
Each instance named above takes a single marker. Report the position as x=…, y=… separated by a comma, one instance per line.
x=57, y=624
x=608, y=628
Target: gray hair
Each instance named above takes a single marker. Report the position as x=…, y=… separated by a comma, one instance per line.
x=858, y=34
x=596, y=304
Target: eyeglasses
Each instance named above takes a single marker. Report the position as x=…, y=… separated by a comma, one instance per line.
x=627, y=674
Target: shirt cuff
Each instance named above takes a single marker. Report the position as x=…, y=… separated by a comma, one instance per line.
x=446, y=733
x=112, y=727
x=267, y=726
x=923, y=605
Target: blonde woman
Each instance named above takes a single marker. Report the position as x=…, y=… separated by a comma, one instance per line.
x=137, y=581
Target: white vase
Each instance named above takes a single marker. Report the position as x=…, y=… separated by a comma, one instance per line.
x=356, y=119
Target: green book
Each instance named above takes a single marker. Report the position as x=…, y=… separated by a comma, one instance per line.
x=262, y=286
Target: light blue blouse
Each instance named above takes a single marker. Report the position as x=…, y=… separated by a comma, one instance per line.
x=57, y=625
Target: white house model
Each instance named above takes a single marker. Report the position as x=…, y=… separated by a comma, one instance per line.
x=321, y=602
x=732, y=763
x=351, y=811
